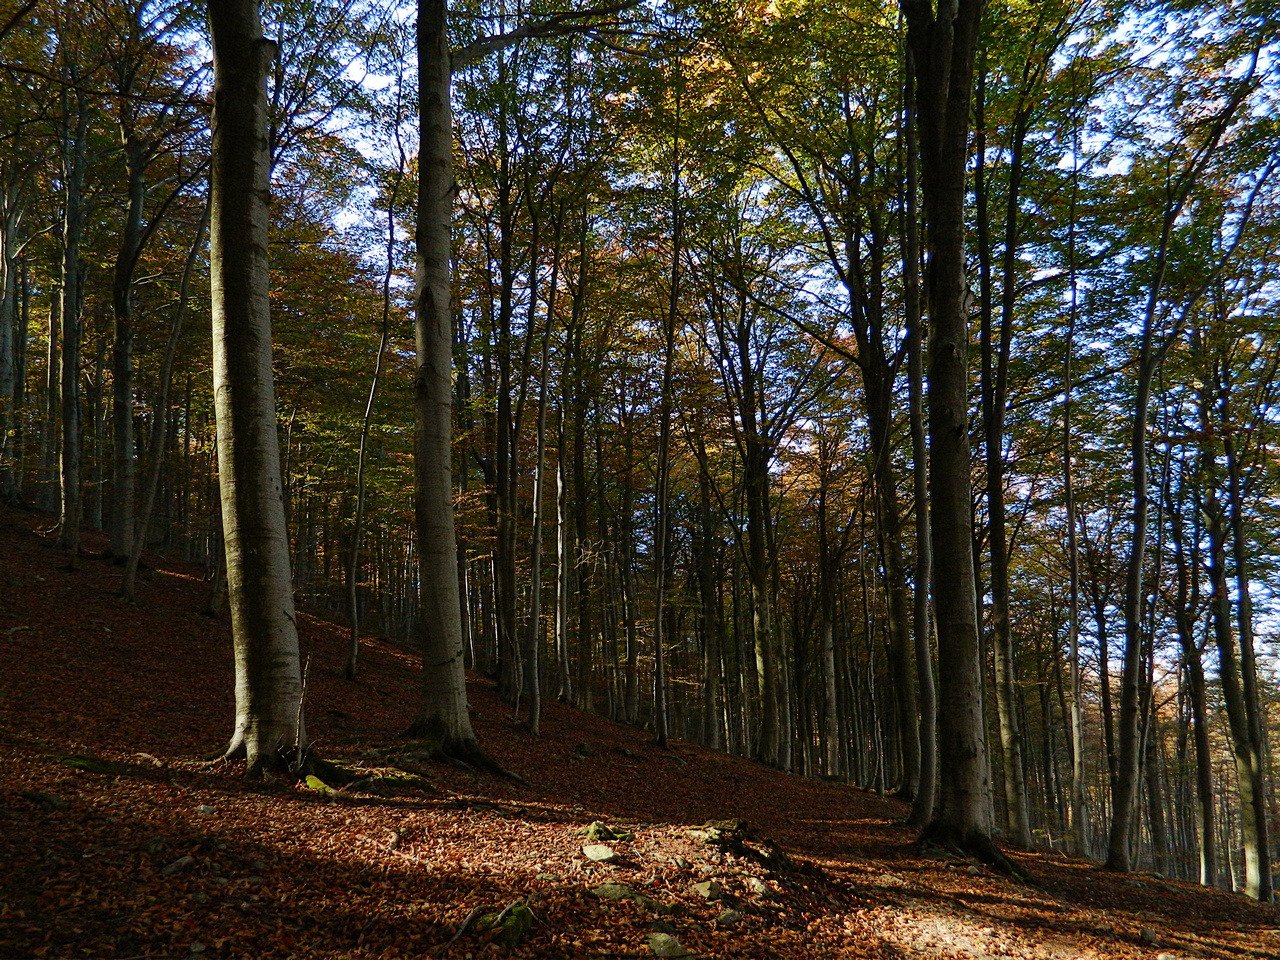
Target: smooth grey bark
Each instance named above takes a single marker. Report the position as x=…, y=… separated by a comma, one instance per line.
x=269, y=729
x=442, y=715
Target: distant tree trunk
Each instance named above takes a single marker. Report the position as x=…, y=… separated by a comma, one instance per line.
x=442, y=716
x=122, y=511
x=1240, y=686
x=662, y=567
x=996, y=346
x=564, y=567
x=943, y=48
x=269, y=728
x=49, y=492
x=10, y=218
x=712, y=621
x=73, y=170
x=927, y=791
x=156, y=446
x=533, y=671
x=366, y=423
x=97, y=422
x=1080, y=832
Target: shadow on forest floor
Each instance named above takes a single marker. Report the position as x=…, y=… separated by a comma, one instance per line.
x=152, y=853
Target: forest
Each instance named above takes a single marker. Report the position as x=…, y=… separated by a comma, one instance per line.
x=867, y=407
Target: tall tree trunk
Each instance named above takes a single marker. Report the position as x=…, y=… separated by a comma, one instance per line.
x=662, y=566
x=74, y=163
x=443, y=715
x=49, y=438
x=1079, y=839
x=995, y=377
x=926, y=793
x=269, y=728
x=1240, y=687
x=10, y=218
x=533, y=643
x=943, y=48
x=122, y=499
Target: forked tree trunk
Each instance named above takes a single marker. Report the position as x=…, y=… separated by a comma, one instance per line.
x=269, y=729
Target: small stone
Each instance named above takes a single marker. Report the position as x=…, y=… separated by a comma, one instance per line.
x=1147, y=935
x=728, y=918
x=182, y=863
x=509, y=926
x=49, y=801
x=153, y=846
x=661, y=926
x=709, y=890
x=200, y=897
x=260, y=865
x=205, y=809
x=757, y=886
x=665, y=945
x=974, y=871
x=585, y=750
x=546, y=877
x=197, y=947
x=648, y=903
x=599, y=853
x=598, y=831
x=681, y=862
x=614, y=891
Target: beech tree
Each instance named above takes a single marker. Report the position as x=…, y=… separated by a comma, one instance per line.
x=269, y=728
x=943, y=45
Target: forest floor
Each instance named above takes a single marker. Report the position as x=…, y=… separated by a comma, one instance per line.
x=117, y=841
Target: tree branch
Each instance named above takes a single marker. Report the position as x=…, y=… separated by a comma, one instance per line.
x=552, y=25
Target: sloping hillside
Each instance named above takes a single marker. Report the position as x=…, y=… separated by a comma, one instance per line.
x=117, y=841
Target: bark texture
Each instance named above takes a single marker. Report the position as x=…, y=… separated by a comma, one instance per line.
x=269, y=728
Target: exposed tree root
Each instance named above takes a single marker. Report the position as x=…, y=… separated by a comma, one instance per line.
x=942, y=837
x=466, y=753
x=287, y=763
